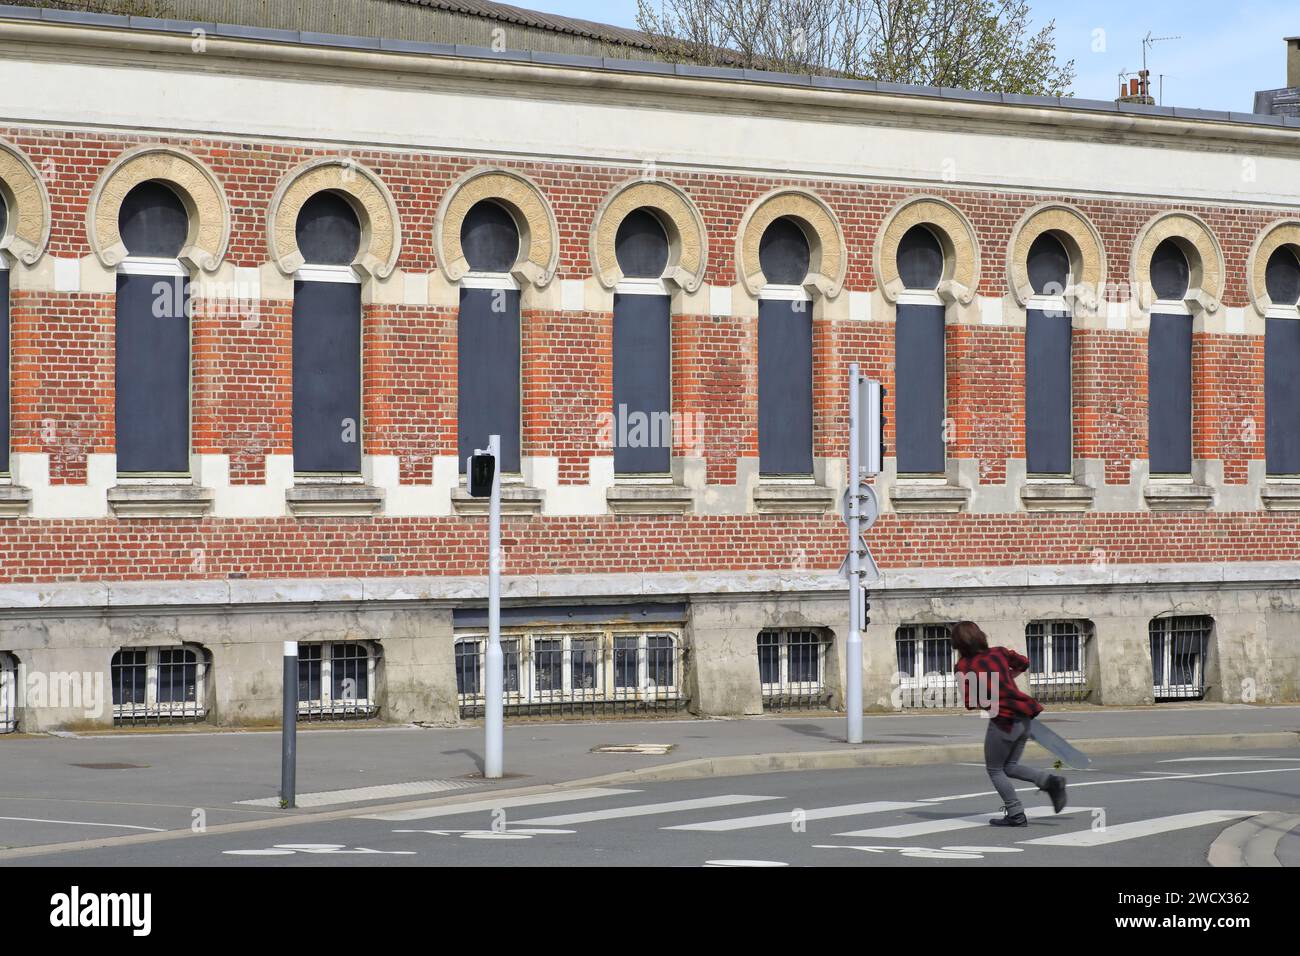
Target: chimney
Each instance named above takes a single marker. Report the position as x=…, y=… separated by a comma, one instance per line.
x=1293, y=62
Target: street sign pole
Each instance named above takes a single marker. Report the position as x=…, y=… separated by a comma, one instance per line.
x=494, y=715
x=853, y=647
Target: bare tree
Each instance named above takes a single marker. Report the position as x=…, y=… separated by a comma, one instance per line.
x=971, y=44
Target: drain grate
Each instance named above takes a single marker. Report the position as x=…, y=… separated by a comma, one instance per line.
x=649, y=750
x=111, y=766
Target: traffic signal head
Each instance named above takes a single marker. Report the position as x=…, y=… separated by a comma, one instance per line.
x=479, y=472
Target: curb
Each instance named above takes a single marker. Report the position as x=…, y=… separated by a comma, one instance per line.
x=1252, y=842
x=743, y=764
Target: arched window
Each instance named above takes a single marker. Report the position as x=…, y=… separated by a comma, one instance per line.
x=4, y=345
x=488, y=337
x=643, y=435
x=785, y=363
x=327, y=339
x=920, y=382
x=1282, y=364
x=1048, y=420
x=1169, y=363
x=1170, y=273
x=153, y=334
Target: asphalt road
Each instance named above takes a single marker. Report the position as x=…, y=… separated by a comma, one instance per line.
x=1127, y=811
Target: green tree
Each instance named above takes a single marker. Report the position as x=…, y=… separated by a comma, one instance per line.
x=970, y=44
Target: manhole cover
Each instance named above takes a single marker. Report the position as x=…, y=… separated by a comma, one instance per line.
x=650, y=750
x=112, y=766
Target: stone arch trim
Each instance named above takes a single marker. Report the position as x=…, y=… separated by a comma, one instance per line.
x=688, y=242
x=202, y=194
x=829, y=256
x=961, y=268
x=381, y=233
x=1282, y=232
x=1205, y=288
x=1082, y=243
x=539, y=247
x=28, y=230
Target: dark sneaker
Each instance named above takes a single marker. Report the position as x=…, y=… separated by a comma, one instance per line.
x=1010, y=820
x=1056, y=790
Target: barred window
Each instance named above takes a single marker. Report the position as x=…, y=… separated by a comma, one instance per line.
x=162, y=683
x=587, y=671
x=925, y=665
x=1179, y=646
x=1057, y=659
x=336, y=680
x=8, y=694
x=792, y=668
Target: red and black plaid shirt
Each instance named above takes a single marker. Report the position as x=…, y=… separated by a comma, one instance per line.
x=981, y=693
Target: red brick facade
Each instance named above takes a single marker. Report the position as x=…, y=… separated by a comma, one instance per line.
x=62, y=394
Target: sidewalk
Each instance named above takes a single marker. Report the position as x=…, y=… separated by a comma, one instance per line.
x=222, y=769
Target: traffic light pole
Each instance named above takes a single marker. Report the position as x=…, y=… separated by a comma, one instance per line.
x=494, y=683
x=853, y=647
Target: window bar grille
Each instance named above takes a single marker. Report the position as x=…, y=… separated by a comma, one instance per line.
x=1178, y=655
x=576, y=674
x=8, y=695
x=792, y=669
x=1057, y=661
x=926, y=662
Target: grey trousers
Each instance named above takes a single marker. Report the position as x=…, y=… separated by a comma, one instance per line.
x=1002, y=750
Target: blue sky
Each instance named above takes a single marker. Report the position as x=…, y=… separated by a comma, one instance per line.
x=1229, y=49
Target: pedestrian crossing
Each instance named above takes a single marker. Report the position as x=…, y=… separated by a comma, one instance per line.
x=905, y=831
x=1087, y=827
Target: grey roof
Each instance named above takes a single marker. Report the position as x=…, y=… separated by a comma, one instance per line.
x=615, y=64
x=540, y=20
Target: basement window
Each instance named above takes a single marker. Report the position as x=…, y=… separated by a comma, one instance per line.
x=792, y=668
x=8, y=694
x=336, y=680
x=592, y=670
x=159, y=683
x=926, y=660
x=1179, y=646
x=1057, y=660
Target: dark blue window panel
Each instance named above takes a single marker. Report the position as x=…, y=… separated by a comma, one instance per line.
x=783, y=253
x=4, y=216
x=919, y=387
x=489, y=238
x=327, y=377
x=920, y=259
x=328, y=231
x=1282, y=276
x=1169, y=391
x=642, y=384
x=785, y=385
x=4, y=363
x=1282, y=396
x=1048, y=264
x=641, y=246
x=1048, y=446
x=153, y=221
x=487, y=363
x=1170, y=273
x=152, y=348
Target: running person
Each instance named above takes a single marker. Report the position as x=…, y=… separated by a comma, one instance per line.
x=995, y=671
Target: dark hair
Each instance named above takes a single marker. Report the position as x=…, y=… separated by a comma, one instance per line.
x=968, y=639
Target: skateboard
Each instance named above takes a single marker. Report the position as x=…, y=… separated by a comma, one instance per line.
x=1051, y=740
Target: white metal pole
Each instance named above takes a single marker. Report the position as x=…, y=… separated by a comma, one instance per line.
x=853, y=647
x=493, y=710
